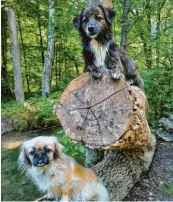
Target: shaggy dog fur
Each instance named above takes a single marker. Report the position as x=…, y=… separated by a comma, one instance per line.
x=58, y=175
x=99, y=48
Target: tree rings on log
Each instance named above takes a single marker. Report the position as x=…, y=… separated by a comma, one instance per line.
x=105, y=113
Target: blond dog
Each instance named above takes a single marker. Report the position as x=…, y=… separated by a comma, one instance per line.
x=58, y=175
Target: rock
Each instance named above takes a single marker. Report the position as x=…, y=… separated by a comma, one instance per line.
x=165, y=130
x=167, y=123
x=6, y=125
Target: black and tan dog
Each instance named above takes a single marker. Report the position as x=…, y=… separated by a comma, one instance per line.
x=99, y=48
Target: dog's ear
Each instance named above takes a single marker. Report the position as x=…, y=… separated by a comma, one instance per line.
x=57, y=150
x=77, y=21
x=23, y=160
x=109, y=13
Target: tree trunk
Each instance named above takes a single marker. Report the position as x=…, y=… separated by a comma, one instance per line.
x=149, y=59
x=145, y=39
x=23, y=50
x=157, y=37
x=5, y=90
x=147, y=51
x=77, y=68
x=59, y=63
x=15, y=57
x=40, y=32
x=53, y=63
x=56, y=66
x=124, y=32
x=46, y=78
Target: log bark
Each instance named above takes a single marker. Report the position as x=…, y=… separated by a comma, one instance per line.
x=18, y=85
x=120, y=170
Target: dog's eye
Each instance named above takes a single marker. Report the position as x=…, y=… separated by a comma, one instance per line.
x=32, y=152
x=85, y=20
x=46, y=149
x=98, y=17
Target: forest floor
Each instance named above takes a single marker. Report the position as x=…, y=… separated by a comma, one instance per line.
x=156, y=185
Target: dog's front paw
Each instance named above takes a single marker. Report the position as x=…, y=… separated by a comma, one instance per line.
x=46, y=198
x=96, y=74
x=130, y=82
x=116, y=75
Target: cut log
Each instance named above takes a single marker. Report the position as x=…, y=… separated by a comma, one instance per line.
x=109, y=114
x=104, y=114
x=120, y=170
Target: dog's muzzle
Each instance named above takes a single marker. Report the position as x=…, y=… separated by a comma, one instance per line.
x=93, y=28
x=92, y=31
x=40, y=159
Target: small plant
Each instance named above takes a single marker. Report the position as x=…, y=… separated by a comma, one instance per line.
x=23, y=118
x=77, y=151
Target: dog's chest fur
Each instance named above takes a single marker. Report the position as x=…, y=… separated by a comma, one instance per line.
x=45, y=181
x=99, y=51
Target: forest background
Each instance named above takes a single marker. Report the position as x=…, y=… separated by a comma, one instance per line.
x=144, y=28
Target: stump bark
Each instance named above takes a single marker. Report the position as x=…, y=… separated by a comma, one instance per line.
x=109, y=115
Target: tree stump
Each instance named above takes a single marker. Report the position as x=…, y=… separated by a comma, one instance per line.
x=104, y=114
x=109, y=115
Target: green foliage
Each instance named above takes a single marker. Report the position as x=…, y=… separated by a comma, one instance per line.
x=167, y=186
x=40, y=114
x=23, y=118
x=44, y=109
x=149, y=43
x=10, y=108
x=77, y=151
x=159, y=91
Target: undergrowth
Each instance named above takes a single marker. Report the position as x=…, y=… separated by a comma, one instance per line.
x=77, y=151
x=37, y=114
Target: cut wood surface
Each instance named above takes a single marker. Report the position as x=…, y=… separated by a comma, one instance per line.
x=104, y=114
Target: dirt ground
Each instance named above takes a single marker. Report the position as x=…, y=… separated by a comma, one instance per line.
x=157, y=184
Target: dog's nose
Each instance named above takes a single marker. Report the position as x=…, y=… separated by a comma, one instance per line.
x=40, y=155
x=91, y=28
